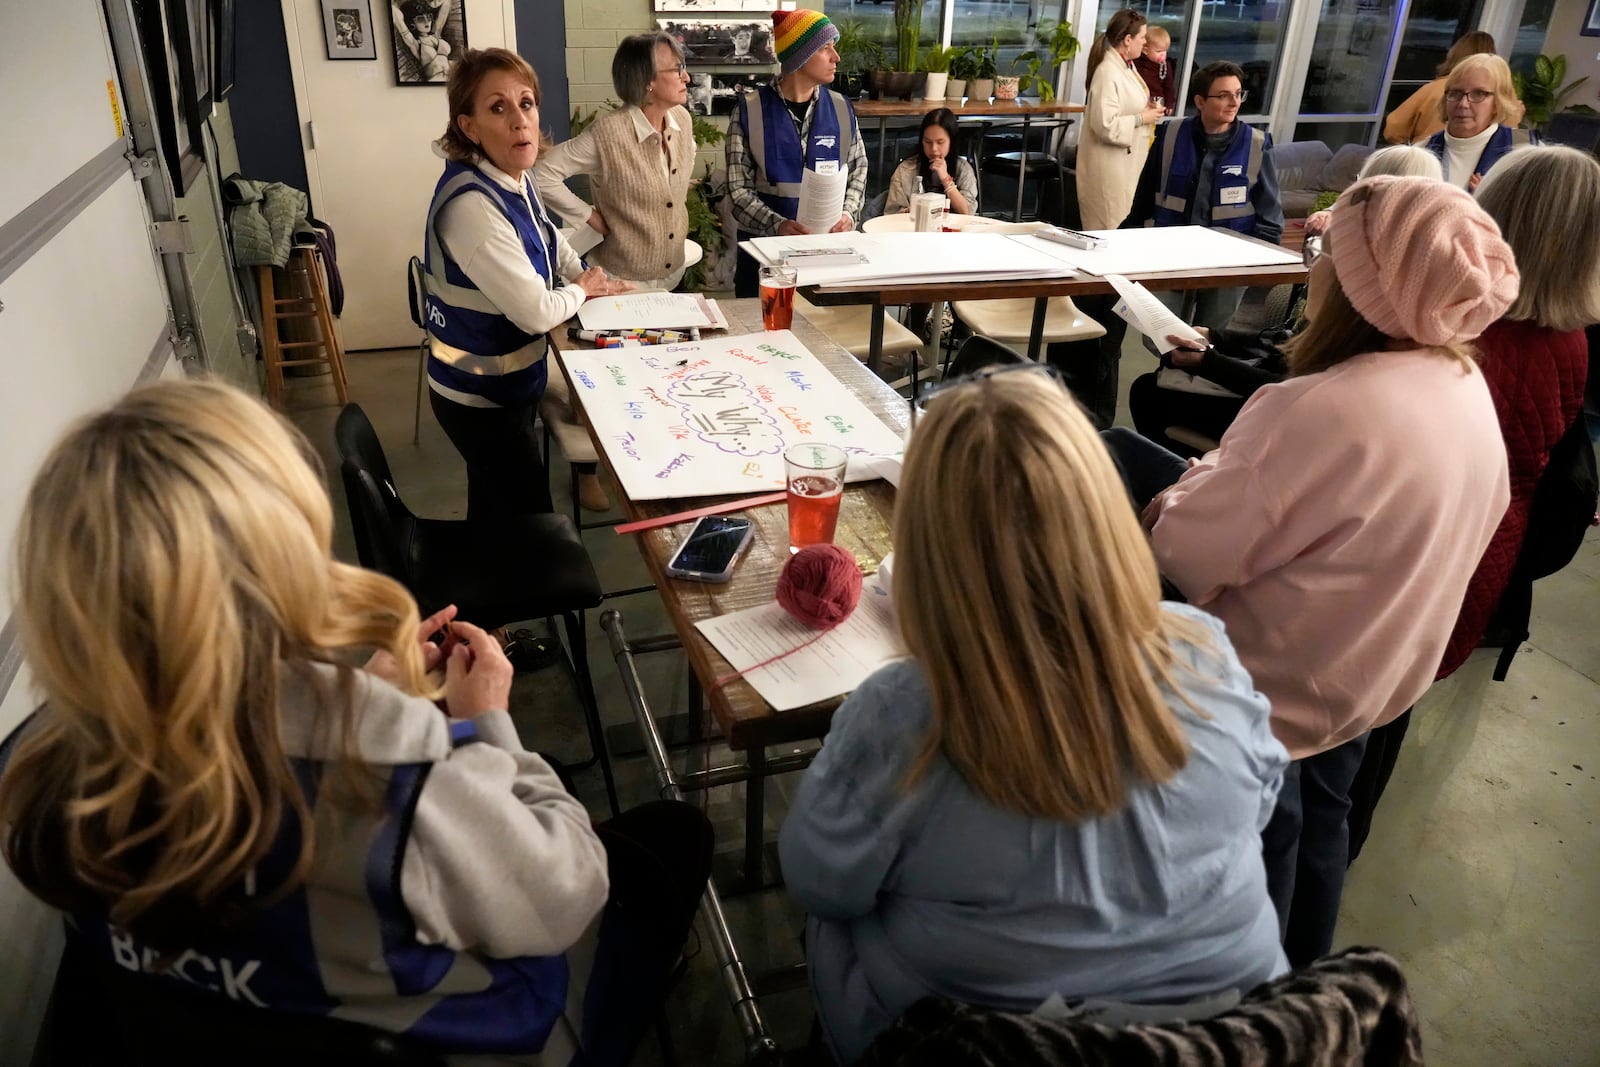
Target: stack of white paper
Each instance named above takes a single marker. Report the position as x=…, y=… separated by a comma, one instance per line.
x=908, y=258
x=1164, y=249
x=822, y=198
x=649, y=311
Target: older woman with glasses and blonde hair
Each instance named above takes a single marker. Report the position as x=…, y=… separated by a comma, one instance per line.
x=1536, y=361
x=1480, y=110
x=1060, y=790
x=1335, y=528
x=218, y=796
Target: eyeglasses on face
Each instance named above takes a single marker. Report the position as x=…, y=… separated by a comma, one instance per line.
x=977, y=377
x=1311, y=250
x=1476, y=96
x=680, y=70
x=1237, y=98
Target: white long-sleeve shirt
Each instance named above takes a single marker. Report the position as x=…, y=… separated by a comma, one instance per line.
x=488, y=250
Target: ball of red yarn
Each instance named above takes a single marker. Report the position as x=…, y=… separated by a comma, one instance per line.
x=820, y=585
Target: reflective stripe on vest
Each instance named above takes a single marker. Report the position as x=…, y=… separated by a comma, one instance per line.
x=776, y=148
x=454, y=295
x=1220, y=213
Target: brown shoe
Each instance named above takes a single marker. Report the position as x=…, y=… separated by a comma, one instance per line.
x=592, y=493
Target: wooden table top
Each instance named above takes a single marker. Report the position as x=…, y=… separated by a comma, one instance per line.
x=880, y=109
x=865, y=515
x=1081, y=285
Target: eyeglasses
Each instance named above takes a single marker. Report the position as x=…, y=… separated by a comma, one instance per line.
x=1311, y=250
x=1238, y=97
x=680, y=70
x=979, y=376
x=1476, y=96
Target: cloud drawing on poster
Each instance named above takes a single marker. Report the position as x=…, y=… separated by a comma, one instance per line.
x=724, y=412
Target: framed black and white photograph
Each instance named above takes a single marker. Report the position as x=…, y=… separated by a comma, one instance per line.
x=429, y=36
x=716, y=41
x=181, y=99
x=718, y=94
x=347, y=29
x=718, y=6
x=1591, y=21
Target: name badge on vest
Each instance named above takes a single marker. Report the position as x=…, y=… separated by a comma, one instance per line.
x=1234, y=194
x=827, y=166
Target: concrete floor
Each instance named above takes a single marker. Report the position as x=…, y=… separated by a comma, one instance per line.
x=1481, y=873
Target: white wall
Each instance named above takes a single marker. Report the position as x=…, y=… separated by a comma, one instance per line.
x=372, y=173
x=1583, y=53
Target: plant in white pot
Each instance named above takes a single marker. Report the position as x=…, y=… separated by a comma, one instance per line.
x=936, y=61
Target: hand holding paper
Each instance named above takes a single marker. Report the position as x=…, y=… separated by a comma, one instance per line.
x=1139, y=307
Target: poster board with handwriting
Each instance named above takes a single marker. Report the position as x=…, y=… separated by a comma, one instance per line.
x=713, y=417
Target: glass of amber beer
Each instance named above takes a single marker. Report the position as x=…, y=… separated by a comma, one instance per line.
x=777, y=297
x=816, y=485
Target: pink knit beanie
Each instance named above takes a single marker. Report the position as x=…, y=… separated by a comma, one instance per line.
x=1420, y=259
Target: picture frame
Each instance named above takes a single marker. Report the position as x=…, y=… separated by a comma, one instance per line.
x=716, y=95
x=718, y=6
x=224, y=36
x=166, y=39
x=347, y=31
x=428, y=36
x=717, y=41
x=1591, y=21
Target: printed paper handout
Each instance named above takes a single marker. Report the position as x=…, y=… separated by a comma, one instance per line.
x=832, y=666
x=822, y=198
x=713, y=417
x=1142, y=310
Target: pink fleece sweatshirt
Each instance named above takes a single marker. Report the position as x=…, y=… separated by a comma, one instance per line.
x=1334, y=532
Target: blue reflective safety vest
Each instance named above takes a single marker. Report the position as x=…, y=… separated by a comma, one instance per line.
x=293, y=956
x=484, y=359
x=774, y=142
x=1237, y=170
x=1503, y=140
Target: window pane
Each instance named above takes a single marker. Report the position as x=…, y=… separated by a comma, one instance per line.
x=978, y=22
x=1349, y=57
x=1531, y=30
x=876, y=22
x=1247, y=33
x=1431, y=28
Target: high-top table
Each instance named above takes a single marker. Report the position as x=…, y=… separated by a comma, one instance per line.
x=1039, y=290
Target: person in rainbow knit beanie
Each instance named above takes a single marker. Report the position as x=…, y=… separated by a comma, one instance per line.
x=780, y=130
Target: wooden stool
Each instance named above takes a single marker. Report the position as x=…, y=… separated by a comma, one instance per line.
x=315, y=306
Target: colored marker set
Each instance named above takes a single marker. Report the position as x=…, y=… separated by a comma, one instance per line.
x=632, y=338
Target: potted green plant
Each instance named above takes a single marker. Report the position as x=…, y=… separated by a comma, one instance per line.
x=705, y=225
x=961, y=67
x=1059, y=47
x=1543, y=94
x=859, y=55
x=907, y=41
x=936, y=61
x=981, y=85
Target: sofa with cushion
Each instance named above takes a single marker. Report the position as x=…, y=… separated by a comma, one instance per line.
x=1307, y=169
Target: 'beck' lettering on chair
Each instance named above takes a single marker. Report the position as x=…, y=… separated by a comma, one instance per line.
x=191, y=967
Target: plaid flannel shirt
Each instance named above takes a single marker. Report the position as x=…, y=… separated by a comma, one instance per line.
x=757, y=218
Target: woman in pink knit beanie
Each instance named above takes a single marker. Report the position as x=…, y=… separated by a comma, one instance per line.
x=1336, y=526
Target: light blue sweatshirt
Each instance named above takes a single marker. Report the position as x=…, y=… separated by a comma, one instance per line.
x=936, y=891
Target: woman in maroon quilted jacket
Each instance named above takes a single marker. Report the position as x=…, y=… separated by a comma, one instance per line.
x=1536, y=360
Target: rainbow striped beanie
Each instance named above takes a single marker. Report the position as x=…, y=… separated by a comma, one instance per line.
x=799, y=35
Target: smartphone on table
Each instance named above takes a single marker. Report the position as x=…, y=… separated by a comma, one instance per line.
x=712, y=548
